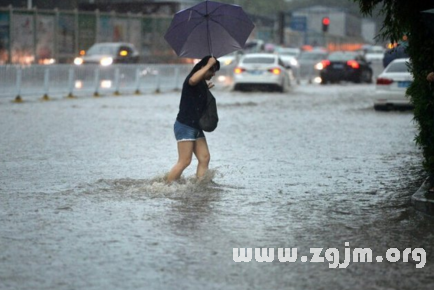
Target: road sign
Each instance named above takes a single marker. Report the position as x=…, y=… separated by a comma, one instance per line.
x=298, y=23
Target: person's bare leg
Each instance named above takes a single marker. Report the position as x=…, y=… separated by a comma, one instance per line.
x=185, y=152
x=202, y=154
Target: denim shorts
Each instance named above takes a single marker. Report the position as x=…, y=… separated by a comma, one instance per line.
x=186, y=133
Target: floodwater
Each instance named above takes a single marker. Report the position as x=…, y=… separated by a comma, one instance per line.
x=83, y=204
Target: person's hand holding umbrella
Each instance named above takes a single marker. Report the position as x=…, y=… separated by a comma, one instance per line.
x=205, y=73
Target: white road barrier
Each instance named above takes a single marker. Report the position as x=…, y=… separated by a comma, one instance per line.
x=42, y=81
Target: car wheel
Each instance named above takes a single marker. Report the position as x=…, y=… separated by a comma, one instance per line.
x=384, y=107
x=359, y=79
x=364, y=77
x=379, y=108
x=282, y=87
x=369, y=77
x=324, y=81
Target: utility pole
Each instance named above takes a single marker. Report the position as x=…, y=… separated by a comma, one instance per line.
x=281, y=28
x=29, y=4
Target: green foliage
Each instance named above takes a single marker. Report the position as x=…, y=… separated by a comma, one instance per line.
x=397, y=14
x=402, y=17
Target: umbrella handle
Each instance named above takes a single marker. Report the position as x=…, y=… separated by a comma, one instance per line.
x=207, y=28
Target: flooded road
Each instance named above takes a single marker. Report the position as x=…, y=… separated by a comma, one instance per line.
x=83, y=204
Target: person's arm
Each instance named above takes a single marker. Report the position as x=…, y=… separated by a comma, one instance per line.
x=200, y=74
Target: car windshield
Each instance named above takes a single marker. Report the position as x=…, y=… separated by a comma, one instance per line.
x=397, y=67
x=312, y=56
x=255, y=60
x=101, y=49
x=375, y=49
x=342, y=56
x=287, y=51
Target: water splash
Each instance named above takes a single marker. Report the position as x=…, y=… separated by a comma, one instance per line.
x=156, y=187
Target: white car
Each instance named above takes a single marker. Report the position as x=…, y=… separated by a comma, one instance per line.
x=292, y=63
x=375, y=54
x=391, y=86
x=262, y=71
x=289, y=58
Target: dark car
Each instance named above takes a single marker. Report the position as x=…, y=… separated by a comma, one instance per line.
x=345, y=66
x=107, y=53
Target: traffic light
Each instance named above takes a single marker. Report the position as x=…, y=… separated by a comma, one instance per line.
x=325, y=24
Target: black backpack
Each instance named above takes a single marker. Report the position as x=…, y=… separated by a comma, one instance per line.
x=208, y=121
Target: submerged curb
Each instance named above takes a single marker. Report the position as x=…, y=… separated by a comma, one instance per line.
x=422, y=200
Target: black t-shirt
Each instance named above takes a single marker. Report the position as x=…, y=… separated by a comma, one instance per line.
x=192, y=104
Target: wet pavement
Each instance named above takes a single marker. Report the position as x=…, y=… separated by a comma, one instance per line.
x=83, y=204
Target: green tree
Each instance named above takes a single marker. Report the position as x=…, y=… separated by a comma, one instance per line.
x=402, y=17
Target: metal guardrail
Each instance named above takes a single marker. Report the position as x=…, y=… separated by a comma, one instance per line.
x=42, y=81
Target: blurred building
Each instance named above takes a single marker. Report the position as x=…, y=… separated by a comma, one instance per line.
x=136, y=6
x=40, y=4
x=47, y=35
x=344, y=30
x=341, y=22
x=118, y=6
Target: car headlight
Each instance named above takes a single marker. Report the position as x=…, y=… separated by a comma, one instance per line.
x=105, y=61
x=319, y=66
x=228, y=61
x=78, y=61
x=322, y=64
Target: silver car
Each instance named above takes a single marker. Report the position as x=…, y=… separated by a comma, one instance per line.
x=391, y=86
x=307, y=61
x=262, y=71
x=108, y=53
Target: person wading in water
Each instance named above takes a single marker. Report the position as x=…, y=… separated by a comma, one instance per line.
x=190, y=137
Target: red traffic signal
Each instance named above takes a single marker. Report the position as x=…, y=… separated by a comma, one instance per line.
x=325, y=24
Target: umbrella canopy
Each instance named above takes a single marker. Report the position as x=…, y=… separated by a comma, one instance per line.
x=209, y=28
x=428, y=19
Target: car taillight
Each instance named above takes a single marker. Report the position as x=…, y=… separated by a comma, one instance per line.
x=239, y=70
x=353, y=64
x=322, y=65
x=275, y=71
x=384, y=81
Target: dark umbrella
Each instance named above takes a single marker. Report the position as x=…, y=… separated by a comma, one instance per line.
x=209, y=28
x=428, y=19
